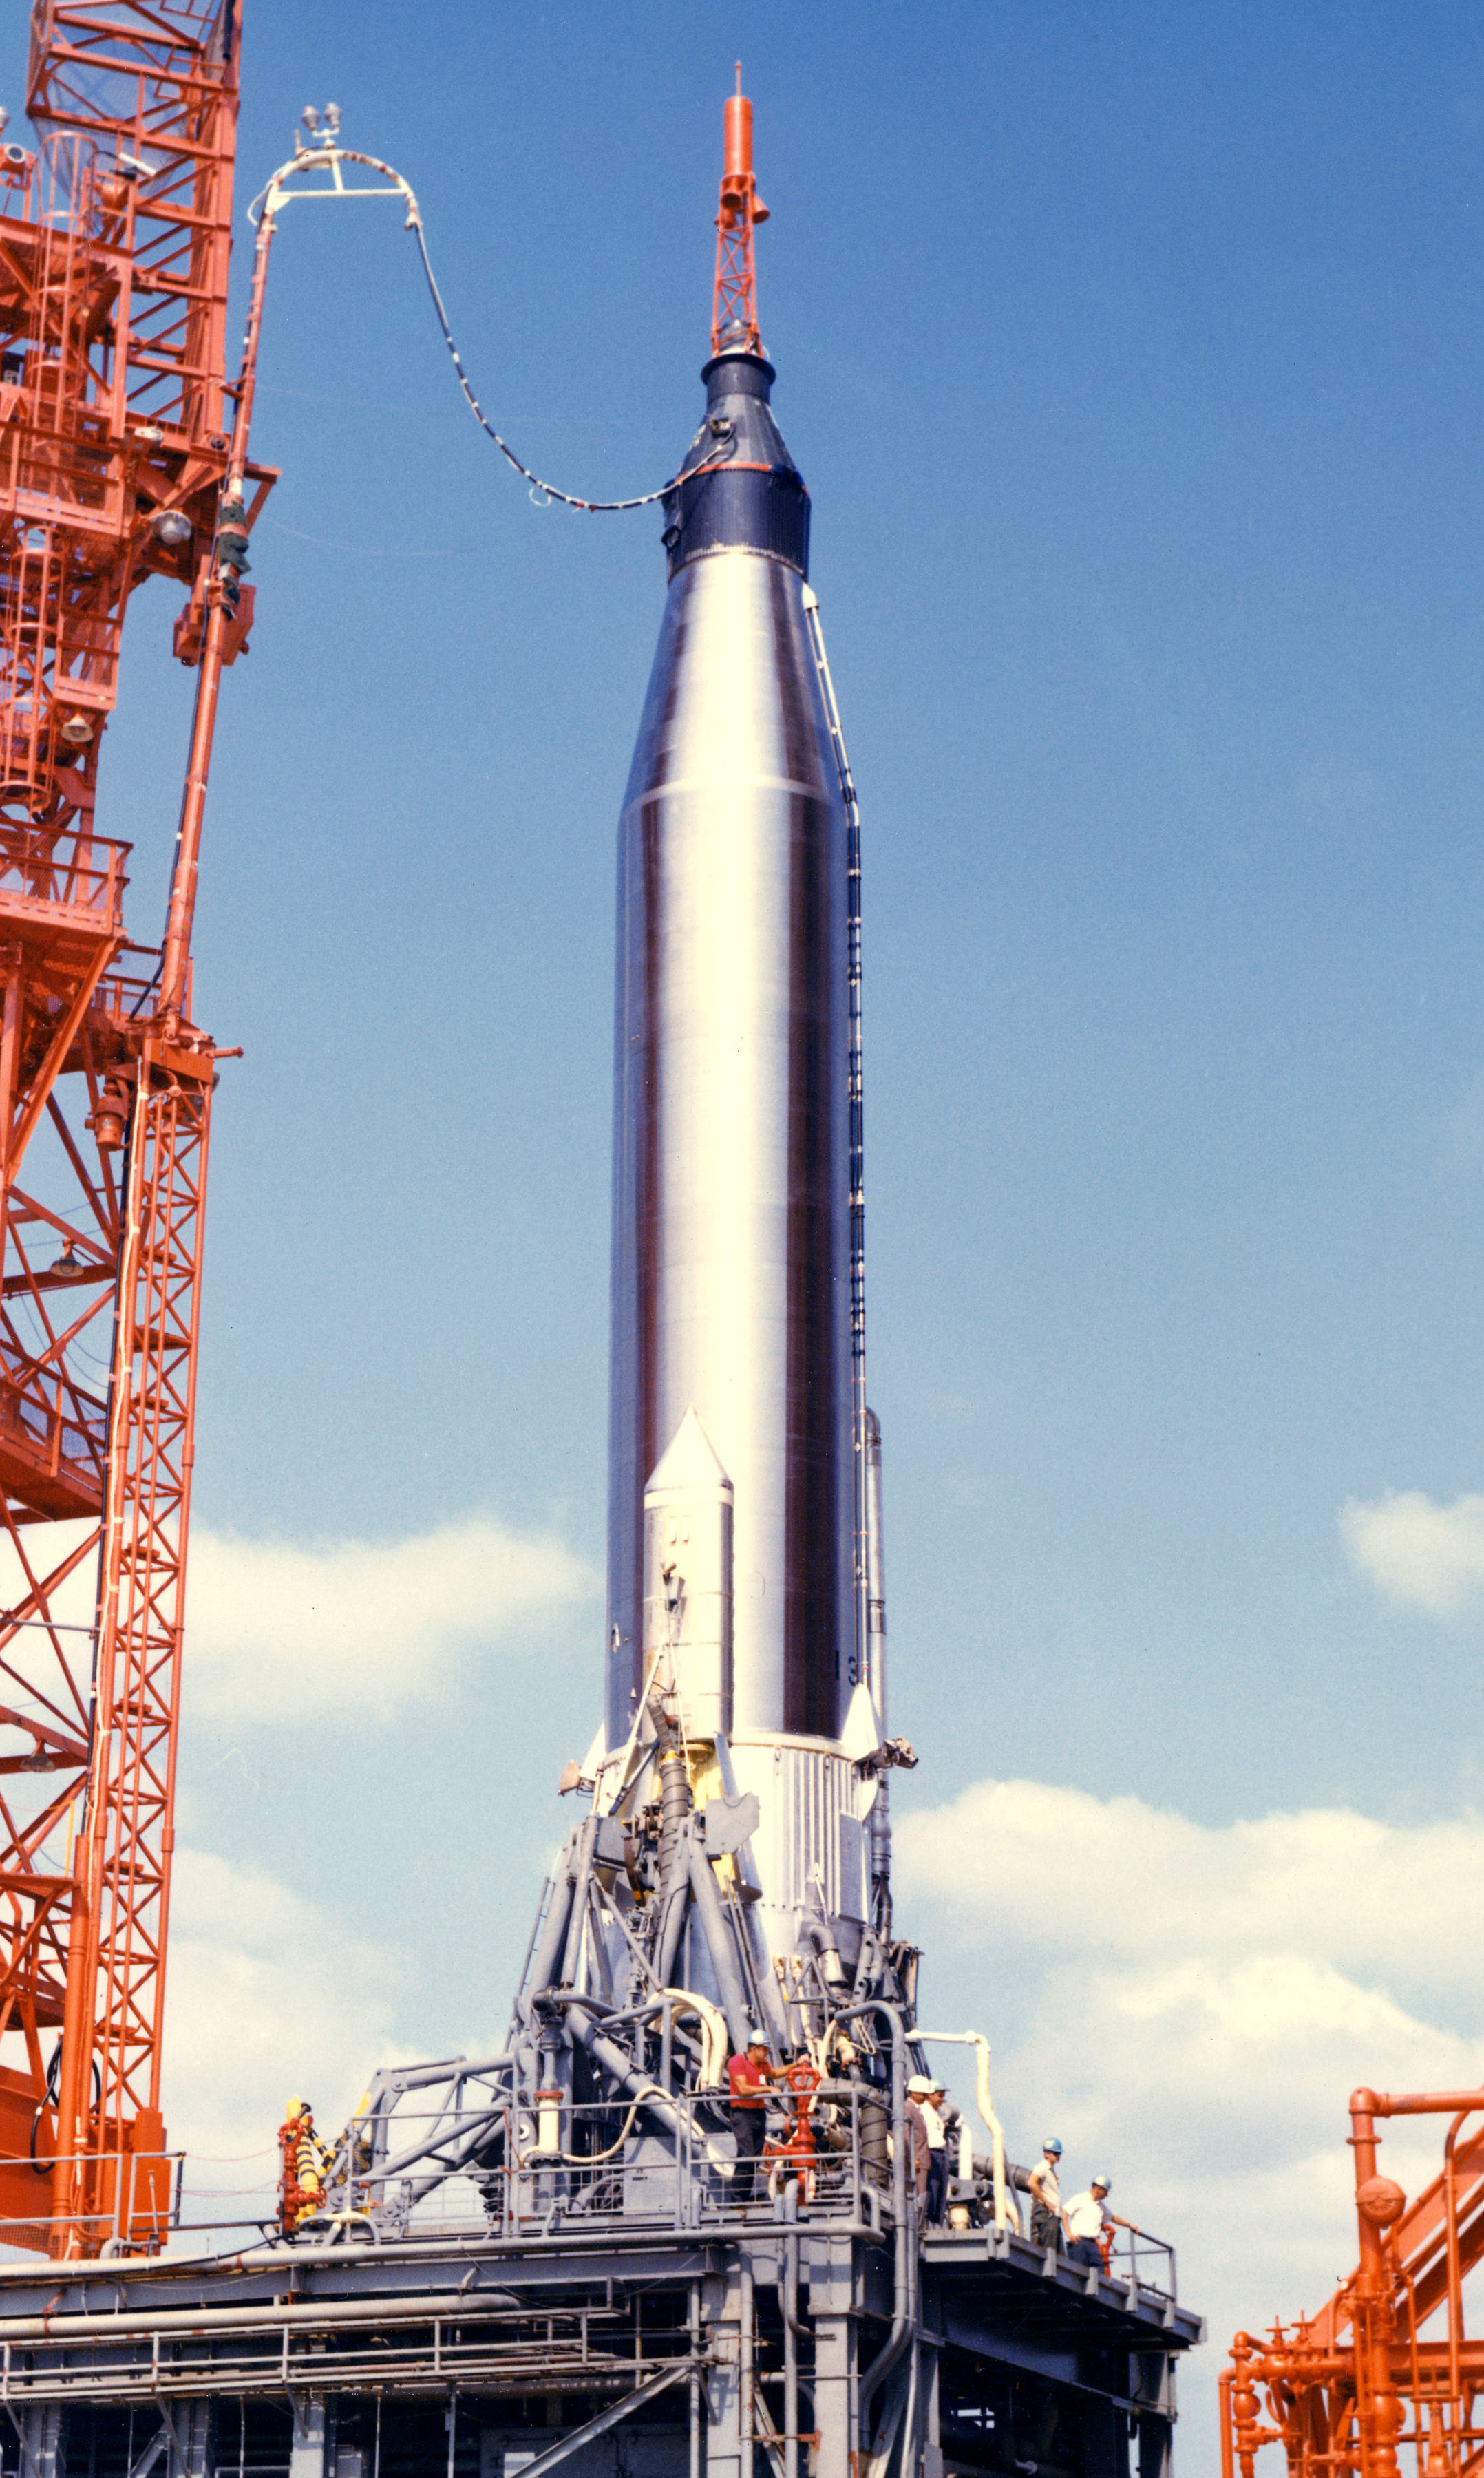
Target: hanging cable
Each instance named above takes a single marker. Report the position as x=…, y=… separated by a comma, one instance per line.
x=710, y=464
x=317, y=170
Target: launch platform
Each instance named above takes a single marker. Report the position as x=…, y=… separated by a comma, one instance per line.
x=646, y=2331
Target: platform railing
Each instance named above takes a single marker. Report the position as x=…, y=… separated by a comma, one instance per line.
x=49, y=1419
x=823, y=2152
x=134, y=2205
x=1148, y=2262
x=81, y=873
x=657, y=2159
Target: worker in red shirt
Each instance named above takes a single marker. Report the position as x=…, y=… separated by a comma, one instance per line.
x=750, y=2076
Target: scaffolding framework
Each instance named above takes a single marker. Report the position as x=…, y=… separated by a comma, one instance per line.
x=116, y=422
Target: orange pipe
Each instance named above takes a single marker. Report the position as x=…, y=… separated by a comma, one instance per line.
x=1455, y=2296
x=1380, y=2410
x=1372, y=2103
x=175, y=961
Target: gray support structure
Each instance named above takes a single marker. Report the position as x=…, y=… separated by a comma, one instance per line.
x=311, y=2428
x=669, y=2326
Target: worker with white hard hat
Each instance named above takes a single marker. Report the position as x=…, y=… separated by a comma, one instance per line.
x=920, y=2156
x=1046, y=2222
x=930, y=2096
x=1085, y=2216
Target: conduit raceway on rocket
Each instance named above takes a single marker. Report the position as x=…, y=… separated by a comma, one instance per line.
x=550, y=2256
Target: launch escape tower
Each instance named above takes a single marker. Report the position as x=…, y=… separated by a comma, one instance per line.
x=552, y=2255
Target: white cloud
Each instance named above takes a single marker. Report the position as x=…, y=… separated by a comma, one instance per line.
x=1421, y=1555
x=266, y=1994
x=1191, y=2008
x=1127, y=1882
x=360, y=1628
x=293, y=1630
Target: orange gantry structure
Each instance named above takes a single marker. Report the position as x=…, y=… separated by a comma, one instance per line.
x=1386, y=2369
x=121, y=457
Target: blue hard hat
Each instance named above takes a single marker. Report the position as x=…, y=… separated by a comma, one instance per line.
x=1052, y=2145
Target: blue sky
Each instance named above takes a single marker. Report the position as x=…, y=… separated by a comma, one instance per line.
x=1133, y=359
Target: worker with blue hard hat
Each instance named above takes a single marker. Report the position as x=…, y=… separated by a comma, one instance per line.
x=1047, y=2225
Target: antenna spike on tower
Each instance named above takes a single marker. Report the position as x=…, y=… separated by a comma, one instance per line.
x=734, y=321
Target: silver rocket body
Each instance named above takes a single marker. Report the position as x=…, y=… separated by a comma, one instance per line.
x=731, y=1241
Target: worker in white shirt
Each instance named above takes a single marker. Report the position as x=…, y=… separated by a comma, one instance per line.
x=930, y=2096
x=1046, y=2199
x=1085, y=2216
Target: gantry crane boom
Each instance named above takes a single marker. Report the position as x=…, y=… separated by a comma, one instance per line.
x=118, y=458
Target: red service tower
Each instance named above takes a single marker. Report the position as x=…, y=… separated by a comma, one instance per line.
x=117, y=465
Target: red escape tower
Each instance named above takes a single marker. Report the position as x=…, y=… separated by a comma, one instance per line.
x=734, y=320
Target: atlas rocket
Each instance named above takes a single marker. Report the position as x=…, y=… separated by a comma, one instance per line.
x=613, y=2243
x=744, y=1516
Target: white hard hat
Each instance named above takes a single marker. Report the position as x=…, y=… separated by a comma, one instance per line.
x=922, y=2086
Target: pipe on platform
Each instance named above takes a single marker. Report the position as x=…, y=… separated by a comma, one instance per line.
x=788, y=2300
x=904, y=2282
x=304, y=2315
x=679, y=2001
x=1380, y=2414
x=746, y=2365
x=819, y=1935
x=629, y=2078
x=694, y=2326
x=718, y=1944
x=1005, y=2214
x=546, y=1959
x=572, y=1948
x=671, y=1929
x=880, y=1821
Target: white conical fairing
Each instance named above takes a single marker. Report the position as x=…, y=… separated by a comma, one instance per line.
x=731, y=1263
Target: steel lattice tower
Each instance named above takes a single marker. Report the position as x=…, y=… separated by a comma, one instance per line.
x=116, y=417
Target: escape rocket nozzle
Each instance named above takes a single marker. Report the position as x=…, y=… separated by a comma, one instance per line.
x=737, y=140
x=734, y=321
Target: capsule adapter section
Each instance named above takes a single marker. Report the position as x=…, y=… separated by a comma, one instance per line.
x=744, y=491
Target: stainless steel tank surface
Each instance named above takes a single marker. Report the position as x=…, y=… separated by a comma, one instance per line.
x=731, y=1205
